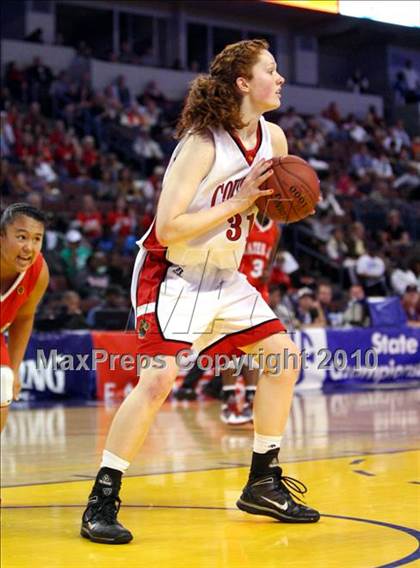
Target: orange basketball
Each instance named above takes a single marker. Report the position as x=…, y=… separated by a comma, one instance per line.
x=296, y=190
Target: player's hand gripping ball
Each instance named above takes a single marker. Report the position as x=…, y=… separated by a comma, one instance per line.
x=296, y=190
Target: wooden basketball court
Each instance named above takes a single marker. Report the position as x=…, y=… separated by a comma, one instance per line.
x=356, y=453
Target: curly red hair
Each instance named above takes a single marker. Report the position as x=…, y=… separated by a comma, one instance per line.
x=214, y=99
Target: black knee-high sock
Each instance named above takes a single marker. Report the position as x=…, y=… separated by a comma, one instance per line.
x=107, y=482
x=264, y=464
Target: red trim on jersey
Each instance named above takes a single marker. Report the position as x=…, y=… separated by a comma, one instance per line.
x=239, y=339
x=249, y=155
x=151, y=242
x=150, y=279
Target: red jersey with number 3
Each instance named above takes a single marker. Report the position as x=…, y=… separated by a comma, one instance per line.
x=18, y=293
x=259, y=246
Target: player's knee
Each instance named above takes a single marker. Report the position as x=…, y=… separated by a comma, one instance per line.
x=6, y=385
x=282, y=357
x=157, y=385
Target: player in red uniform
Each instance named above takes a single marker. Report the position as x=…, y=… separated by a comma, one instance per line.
x=260, y=248
x=24, y=279
x=256, y=264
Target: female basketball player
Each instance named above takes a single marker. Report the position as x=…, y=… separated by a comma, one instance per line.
x=24, y=279
x=187, y=292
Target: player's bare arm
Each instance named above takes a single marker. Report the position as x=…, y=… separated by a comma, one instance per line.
x=190, y=167
x=278, y=140
x=21, y=328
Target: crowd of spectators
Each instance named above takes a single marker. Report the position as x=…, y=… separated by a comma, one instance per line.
x=94, y=160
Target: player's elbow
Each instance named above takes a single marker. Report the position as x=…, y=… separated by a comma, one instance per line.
x=161, y=236
x=164, y=234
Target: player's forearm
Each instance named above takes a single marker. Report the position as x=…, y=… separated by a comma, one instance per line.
x=190, y=225
x=19, y=334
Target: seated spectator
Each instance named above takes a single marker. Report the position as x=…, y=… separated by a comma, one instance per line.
x=148, y=152
x=7, y=136
x=44, y=170
x=370, y=269
x=114, y=304
x=411, y=304
x=25, y=146
x=361, y=162
x=95, y=279
x=380, y=192
x=89, y=153
x=132, y=117
x=336, y=246
x=356, y=131
x=150, y=113
x=309, y=312
x=356, y=240
x=152, y=91
x=324, y=296
x=358, y=83
x=107, y=241
x=283, y=309
x=291, y=121
x=19, y=184
x=71, y=316
x=68, y=154
x=74, y=255
x=125, y=183
x=332, y=113
x=381, y=167
x=395, y=234
x=121, y=91
x=356, y=312
x=312, y=143
x=346, y=185
x=398, y=135
x=401, y=277
x=329, y=201
x=121, y=221
x=106, y=189
x=89, y=218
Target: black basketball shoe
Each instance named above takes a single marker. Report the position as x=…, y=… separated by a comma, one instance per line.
x=272, y=496
x=99, y=521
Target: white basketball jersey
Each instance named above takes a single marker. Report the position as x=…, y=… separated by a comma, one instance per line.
x=224, y=245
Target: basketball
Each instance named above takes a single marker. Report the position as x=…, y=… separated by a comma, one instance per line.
x=296, y=190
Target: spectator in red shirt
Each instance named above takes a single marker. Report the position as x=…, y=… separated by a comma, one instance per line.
x=90, y=220
x=89, y=153
x=65, y=150
x=26, y=146
x=122, y=220
x=56, y=136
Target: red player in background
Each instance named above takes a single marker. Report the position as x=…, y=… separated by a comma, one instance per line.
x=260, y=248
x=24, y=279
x=256, y=264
